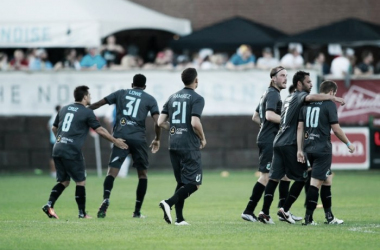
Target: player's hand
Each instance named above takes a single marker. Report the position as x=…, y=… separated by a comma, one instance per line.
x=155, y=145
x=351, y=148
x=300, y=157
x=120, y=143
x=340, y=100
x=203, y=144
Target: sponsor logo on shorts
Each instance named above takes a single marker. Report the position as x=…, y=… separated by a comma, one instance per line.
x=305, y=174
x=123, y=121
x=198, y=178
x=328, y=173
x=268, y=166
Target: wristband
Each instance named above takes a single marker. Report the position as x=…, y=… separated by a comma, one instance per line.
x=348, y=143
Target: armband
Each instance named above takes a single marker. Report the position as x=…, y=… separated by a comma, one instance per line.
x=348, y=144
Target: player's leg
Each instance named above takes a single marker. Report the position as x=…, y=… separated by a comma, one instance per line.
x=312, y=200
x=276, y=173
x=116, y=160
x=327, y=201
x=139, y=151
x=265, y=160
x=283, y=194
x=297, y=172
x=63, y=181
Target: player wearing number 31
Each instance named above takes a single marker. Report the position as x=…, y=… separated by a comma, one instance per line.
x=71, y=127
x=132, y=108
x=181, y=116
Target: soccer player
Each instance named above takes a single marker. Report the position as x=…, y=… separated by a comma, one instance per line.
x=268, y=116
x=71, y=127
x=181, y=116
x=316, y=119
x=132, y=107
x=285, y=148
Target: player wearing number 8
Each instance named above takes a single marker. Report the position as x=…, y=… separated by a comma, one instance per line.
x=316, y=119
x=132, y=108
x=181, y=116
x=71, y=128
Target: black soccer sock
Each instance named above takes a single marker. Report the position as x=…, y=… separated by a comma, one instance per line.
x=182, y=193
x=307, y=185
x=257, y=192
x=80, y=198
x=268, y=195
x=107, y=186
x=294, y=192
x=140, y=194
x=326, y=201
x=283, y=189
x=312, y=201
x=179, y=205
x=55, y=193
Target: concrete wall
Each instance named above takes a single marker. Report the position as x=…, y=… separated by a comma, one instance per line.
x=231, y=144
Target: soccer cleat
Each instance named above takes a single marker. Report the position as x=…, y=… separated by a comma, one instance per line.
x=334, y=221
x=103, y=208
x=249, y=217
x=49, y=211
x=286, y=216
x=266, y=219
x=182, y=223
x=311, y=223
x=138, y=215
x=166, y=208
x=295, y=218
x=84, y=216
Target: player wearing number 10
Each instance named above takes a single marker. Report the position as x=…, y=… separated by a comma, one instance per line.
x=181, y=116
x=132, y=108
x=316, y=119
x=71, y=127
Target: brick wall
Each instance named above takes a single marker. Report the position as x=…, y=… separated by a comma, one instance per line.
x=290, y=16
x=24, y=144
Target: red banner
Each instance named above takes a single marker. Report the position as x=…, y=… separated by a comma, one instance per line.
x=342, y=158
x=362, y=100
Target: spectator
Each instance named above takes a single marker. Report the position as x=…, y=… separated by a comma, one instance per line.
x=19, y=61
x=52, y=139
x=319, y=64
x=340, y=66
x=40, y=61
x=70, y=62
x=3, y=61
x=293, y=59
x=242, y=59
x=205, y=59
x=365, y=67
x=111, y=51
x=93, y=61
x=164, y=60
x=129, y=62
x=267, y=61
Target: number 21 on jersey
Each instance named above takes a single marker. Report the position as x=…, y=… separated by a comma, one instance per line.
x=177, y=117
x=132, y=106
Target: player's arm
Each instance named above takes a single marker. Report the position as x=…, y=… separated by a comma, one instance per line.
x=256, y=118
x=272, y=116
x=300, y=134
x=324, y=97
x=54, y=129
x=116, y=141
x=198, y=129
x=342, y=136
x=163, y=121
x=98, y=104
x=155, y=145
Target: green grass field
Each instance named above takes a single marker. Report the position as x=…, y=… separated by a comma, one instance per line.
x=213, y=212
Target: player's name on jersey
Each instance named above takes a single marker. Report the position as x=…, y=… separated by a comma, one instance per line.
x=183, y=96
x=132, y=92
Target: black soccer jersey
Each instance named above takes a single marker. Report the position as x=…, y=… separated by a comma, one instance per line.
x=132, y=107
x=318, y=118
x=270, y=101
x=287, y=134
x=180, y=107
x=73, y=122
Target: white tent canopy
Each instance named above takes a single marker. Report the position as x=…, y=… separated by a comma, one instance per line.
x=77, y=23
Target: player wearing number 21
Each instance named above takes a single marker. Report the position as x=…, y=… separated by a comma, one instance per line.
x=71, y=128
x=132, y=108
x=181, y=116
